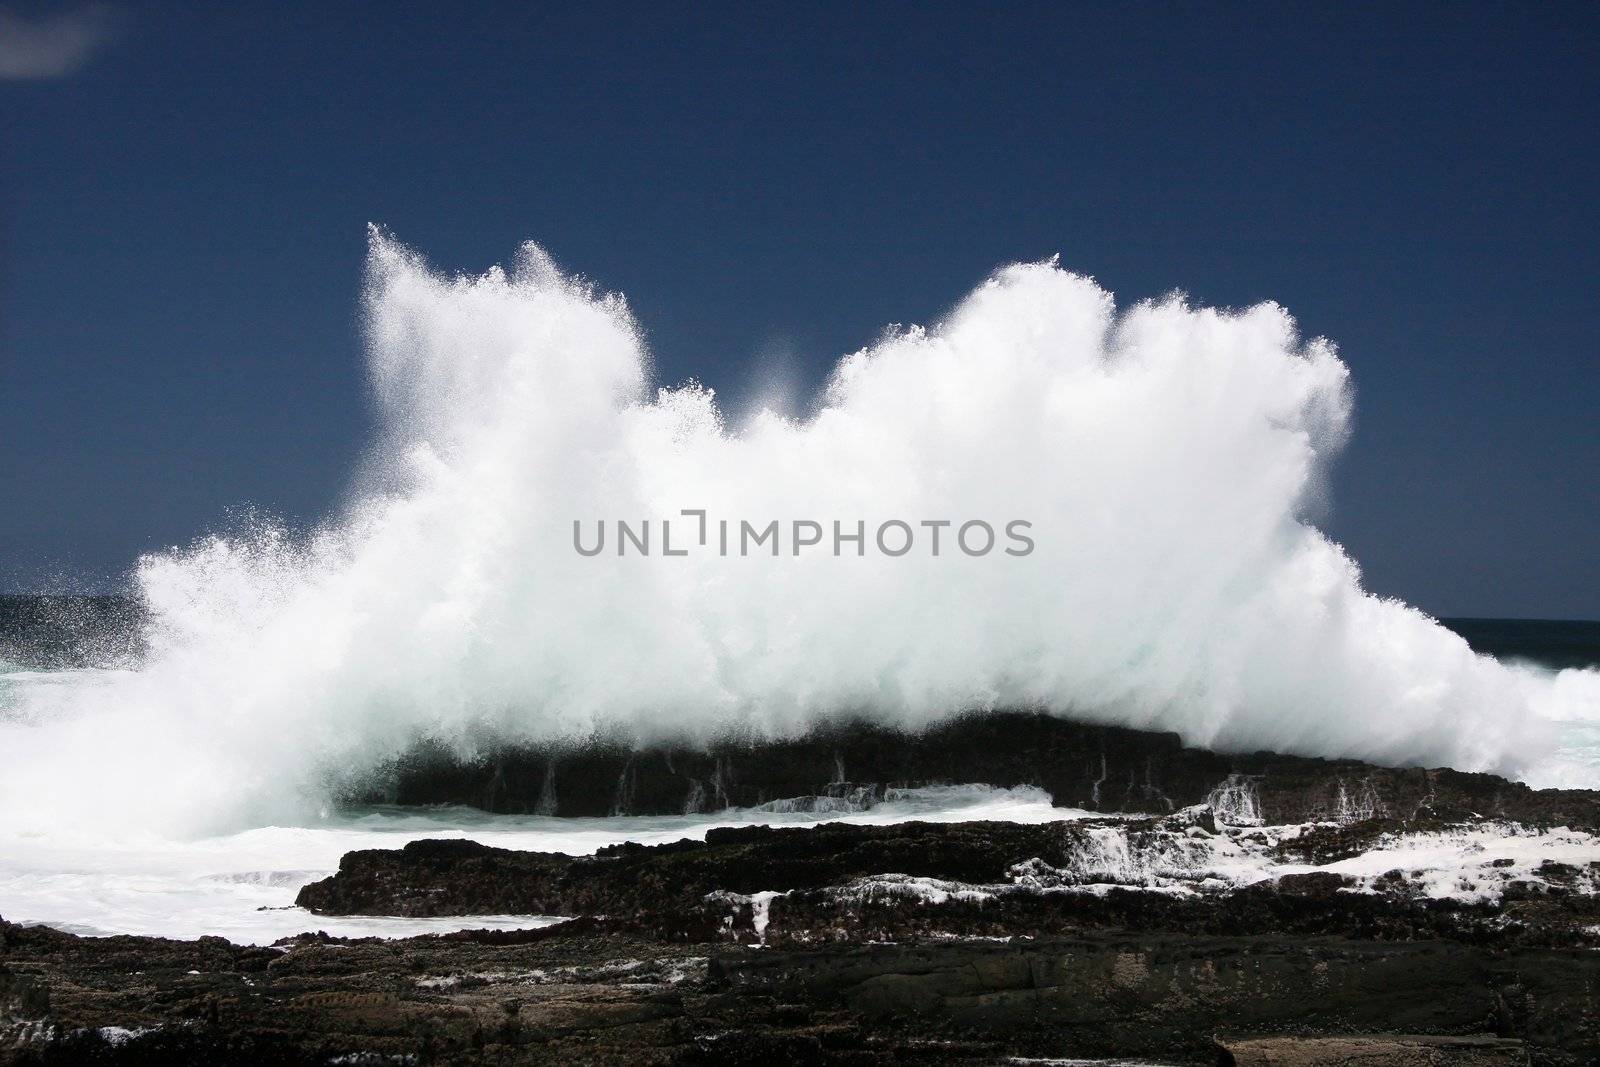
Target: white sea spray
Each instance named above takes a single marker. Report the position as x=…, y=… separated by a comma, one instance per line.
x=1170, y=459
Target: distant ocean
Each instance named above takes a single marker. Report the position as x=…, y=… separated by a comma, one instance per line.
x=69, y=632
x=1555, y=643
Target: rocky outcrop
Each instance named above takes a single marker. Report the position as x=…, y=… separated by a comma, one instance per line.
x=1135, y=936
x=1164, y=996
x=1097, y=768
x=1405, y=1050
x=1254, y=909
x=847, y=883
x=965, y=943
x=589, y=992
x=465, y=878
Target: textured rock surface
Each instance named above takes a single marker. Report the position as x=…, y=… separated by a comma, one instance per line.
x=1398, y=1051
x=1461, y=907
x=588, y=992
x=1098, y=768
x=839, y=882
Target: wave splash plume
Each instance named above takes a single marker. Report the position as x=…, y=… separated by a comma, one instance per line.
x=1168, y=457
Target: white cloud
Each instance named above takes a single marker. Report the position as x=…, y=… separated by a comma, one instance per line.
x=52, y=46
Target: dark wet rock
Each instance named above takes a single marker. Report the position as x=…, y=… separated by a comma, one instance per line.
x=463, y=877
x=911, y=943
x=838, y=882
x=592, y=992
x=880, y=912
x=921, y=943
x=22, y=996
x=1098, y=768
x=1164, y=996
x=1401, y=1050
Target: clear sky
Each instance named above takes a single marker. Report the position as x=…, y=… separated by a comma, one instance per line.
x=184, y=193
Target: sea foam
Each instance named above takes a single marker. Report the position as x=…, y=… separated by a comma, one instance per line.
x=1169, y=458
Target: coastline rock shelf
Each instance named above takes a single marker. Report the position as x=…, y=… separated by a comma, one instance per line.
x=839, y=883
x=1194, y=908
x=1096, y=768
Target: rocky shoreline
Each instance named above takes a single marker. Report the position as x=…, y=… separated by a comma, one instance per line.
x=1081, y=765
x=1201, y=908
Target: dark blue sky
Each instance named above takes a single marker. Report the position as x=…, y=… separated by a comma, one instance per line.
x=184, y=212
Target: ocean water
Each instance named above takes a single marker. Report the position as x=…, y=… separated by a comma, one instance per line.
x=1556, y=644
x=242, y=885
x=1553, y=645
x=1169, y=460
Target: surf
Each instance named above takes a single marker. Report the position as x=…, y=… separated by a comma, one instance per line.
x=1170, y=460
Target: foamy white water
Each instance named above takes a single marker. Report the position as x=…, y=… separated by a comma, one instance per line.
x=1169, y=458
x=242, y=885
